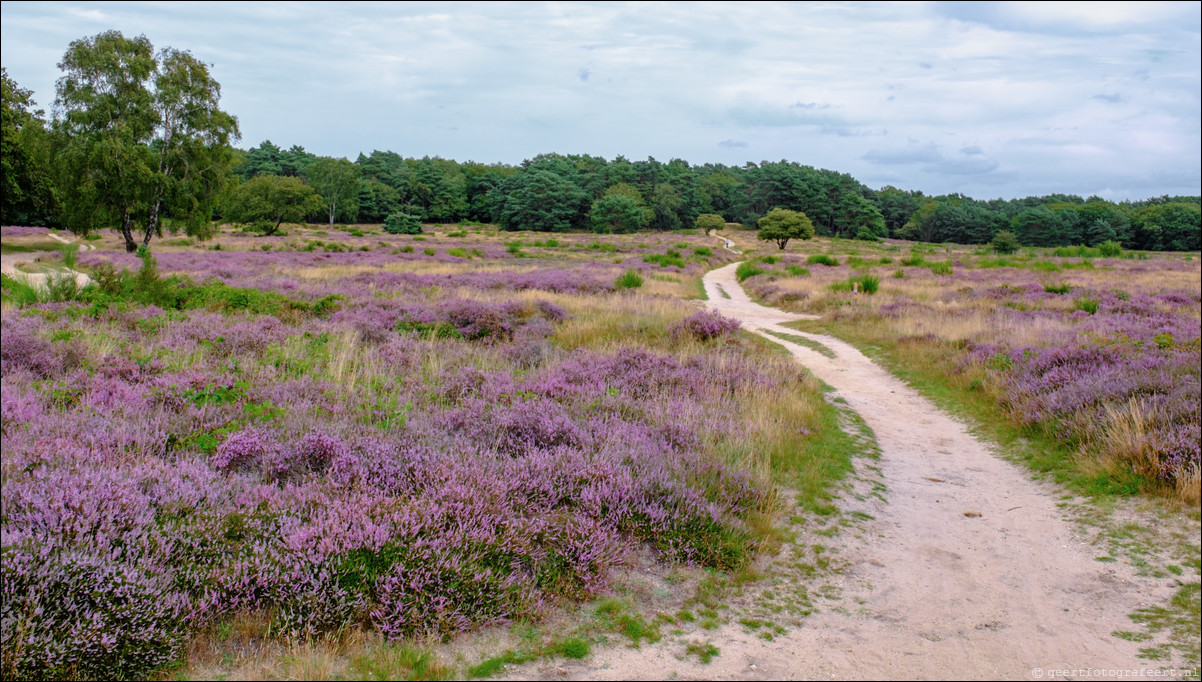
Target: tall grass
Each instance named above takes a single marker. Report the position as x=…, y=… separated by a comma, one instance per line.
x=747, y=269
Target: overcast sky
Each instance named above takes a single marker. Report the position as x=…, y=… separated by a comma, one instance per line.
x=985, y=99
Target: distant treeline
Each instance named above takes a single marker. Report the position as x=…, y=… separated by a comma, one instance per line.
x=555, y=192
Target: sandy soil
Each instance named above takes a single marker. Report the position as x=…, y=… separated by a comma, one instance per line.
x=965, y=568
x=9, y=262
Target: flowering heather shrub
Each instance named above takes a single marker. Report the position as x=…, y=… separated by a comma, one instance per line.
x=181, y=466
x=245, y=450
x=704, y=325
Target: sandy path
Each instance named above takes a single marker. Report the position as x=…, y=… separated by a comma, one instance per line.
x=9, y=262
x=968, y=570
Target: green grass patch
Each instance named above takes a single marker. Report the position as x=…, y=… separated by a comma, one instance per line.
x=670, y=259
x=747, y=269
x=630, y=279
x=1086, y=304
x=704, y=651
x=396, y=662
x=1179, y=621
x=822, y=259
x=942, y=267
x=803, y=341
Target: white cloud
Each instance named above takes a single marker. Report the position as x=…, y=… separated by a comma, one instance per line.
x=1003, y=98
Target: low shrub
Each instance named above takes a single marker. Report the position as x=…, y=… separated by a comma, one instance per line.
x=704, y=325
x=630, y=279
x=747, y=269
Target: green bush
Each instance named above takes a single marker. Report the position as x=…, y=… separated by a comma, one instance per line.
x=797, y=270
x=822, y=259
x=630, y=279
x=1061, y=288
x=747, y=269
x=868, y=283
x=1087, y=304
x=1005, y=242
x=671, y=258
x=941, y=268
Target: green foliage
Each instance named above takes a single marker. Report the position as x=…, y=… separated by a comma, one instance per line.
x=456, y=252
x=703, y=251
x=1062, y=288
x=17, y=292
x=402, y=223
x=541, y=200
x=1087, y=304
x=268, y=201
x=616, y=214
x=869, y=284
x=26, y=159
x=630, y=279
x=69, y=252
x=433, y=330
x=671, y=258
x=823, y=259
x=709, y=221
x=574, y=648
x=705, y=652
x=397, y=662
x=797, y=270
x=1168, y=226
x=143, y=136
x=1005, y=242
x=337, y=182
x=782, y=225
x=942, y=267
x=1110, y=249
x=747, y=269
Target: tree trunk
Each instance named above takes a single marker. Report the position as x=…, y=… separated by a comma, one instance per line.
x=152, y=224
x=130, y=245
x=333, y=210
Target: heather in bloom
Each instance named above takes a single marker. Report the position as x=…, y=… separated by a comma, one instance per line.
x=704, y=325
x=420, y=458
x=1101, y=355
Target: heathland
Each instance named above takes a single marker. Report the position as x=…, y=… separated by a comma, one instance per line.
x=322, y=452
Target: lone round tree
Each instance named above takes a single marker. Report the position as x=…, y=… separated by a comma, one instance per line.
x=781, y=225
x=142, y=137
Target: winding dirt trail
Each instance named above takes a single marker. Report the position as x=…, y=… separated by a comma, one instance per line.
x=966, y=569
x=10, y=261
